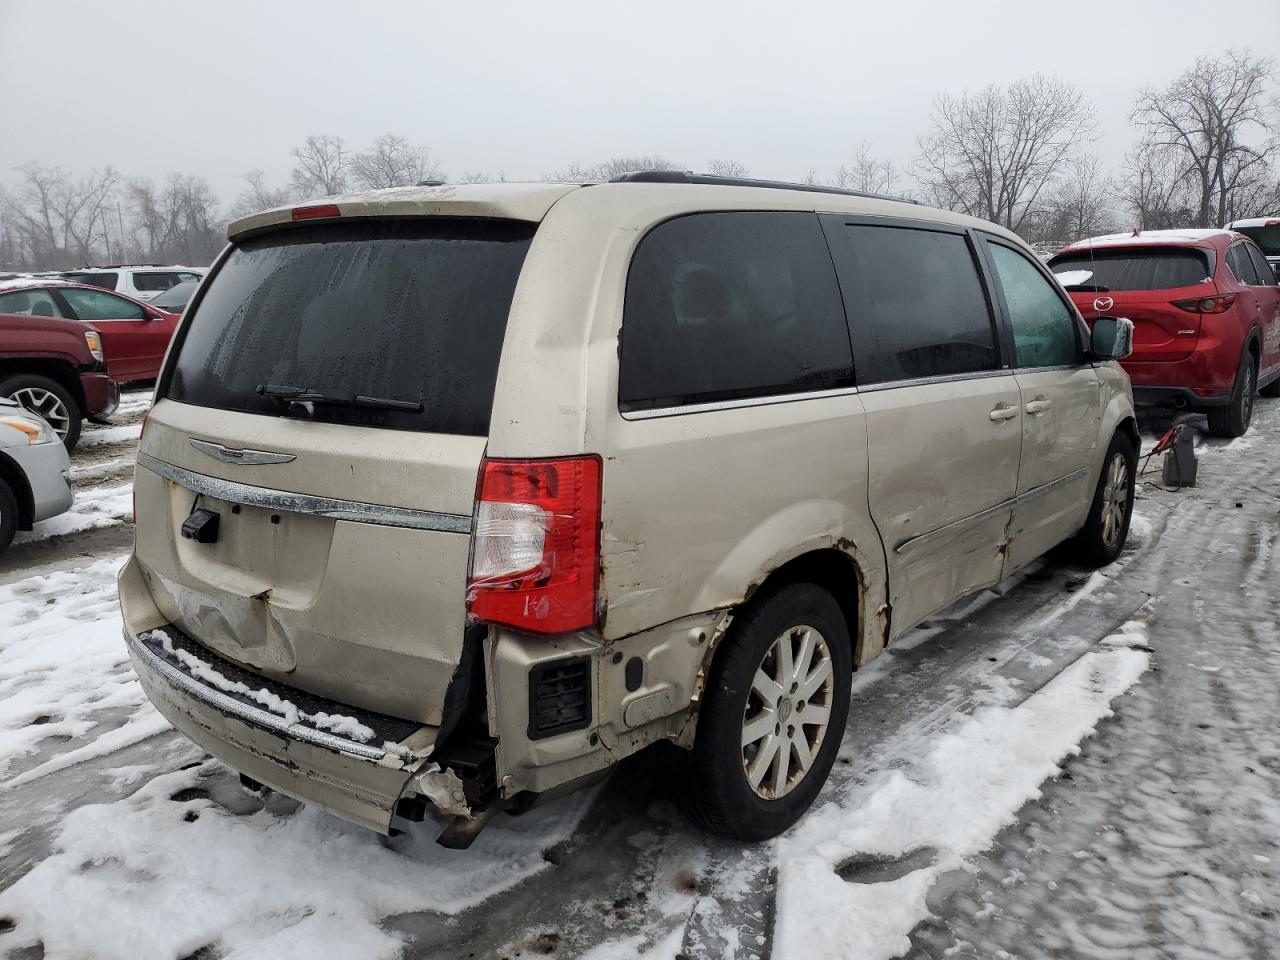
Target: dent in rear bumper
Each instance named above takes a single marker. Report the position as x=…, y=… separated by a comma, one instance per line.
x=357, y=781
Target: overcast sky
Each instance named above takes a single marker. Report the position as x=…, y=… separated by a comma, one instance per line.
x=219, y=87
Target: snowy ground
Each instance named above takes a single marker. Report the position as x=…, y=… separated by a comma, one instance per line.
x=1072, y=765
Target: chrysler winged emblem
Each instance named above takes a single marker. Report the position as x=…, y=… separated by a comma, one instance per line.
x=231, y=455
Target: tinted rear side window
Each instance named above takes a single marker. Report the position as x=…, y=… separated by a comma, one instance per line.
x=149, y=282
x=107, y=281
x=728, y=305
x=1241, y=265
x=1105, y=271
x=412, y=310
x=916, y=305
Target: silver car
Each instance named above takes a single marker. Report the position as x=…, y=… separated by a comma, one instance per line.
x=34, y=468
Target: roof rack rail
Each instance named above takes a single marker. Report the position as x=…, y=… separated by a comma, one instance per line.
x=688, y=176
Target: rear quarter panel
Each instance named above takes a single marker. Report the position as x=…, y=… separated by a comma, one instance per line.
x=699, y=508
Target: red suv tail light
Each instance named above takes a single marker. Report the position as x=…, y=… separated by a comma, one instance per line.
x=1207, y=304
x=536, y=553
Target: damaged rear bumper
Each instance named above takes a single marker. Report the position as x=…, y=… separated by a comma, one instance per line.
x=357, y=769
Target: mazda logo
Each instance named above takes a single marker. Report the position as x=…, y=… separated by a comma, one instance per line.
x=1103, y=304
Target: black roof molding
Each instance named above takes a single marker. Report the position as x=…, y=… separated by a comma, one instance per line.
x=687, y=176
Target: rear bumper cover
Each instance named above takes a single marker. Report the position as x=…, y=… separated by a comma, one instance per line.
x=349, y=762
x=1180, y=396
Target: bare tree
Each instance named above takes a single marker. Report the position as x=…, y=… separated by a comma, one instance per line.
x=476, y=178
x=1155, y=187
x=810, y=179
x=1079, y=206
x=866, y=174
x=178, y=222
x=393, y=161
x=608, y=169
x=59, y=221
x=321, y=166
x=727, y=168
x=1204, y=117
x=994, y=154
x=257, y=195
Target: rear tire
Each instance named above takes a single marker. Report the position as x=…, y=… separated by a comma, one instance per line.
x=796, y=633
x=48, y=398
x=1103, y=535
x=8, y=516
x=1233, y=419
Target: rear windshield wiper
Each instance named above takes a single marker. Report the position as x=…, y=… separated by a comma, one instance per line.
x=286, y=391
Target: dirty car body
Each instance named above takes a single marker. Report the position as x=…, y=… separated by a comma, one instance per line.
x=467, y=540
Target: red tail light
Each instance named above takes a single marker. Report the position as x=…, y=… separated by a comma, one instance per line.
x=1207, y=304
x=536, y=553
x=316, y=212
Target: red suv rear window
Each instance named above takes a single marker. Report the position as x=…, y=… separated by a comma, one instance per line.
x=1150, y=268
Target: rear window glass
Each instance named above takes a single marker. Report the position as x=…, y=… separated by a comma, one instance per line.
x=1114, y=270
x=1268, y=238
x=107, y=281
x=916, y=306
x=729, y=305
x=410, y=310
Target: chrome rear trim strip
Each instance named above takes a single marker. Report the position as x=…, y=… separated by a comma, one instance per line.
x=289, y=502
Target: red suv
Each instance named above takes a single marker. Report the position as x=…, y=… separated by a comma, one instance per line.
x=55, y=368
x=135, y=335
x=1205, y=310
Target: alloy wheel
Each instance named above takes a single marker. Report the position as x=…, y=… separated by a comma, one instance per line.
x=1115, y=496
x=787, y=711
x=48, y=405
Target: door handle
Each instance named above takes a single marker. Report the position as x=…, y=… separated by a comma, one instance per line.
x=1002, y=412
x=1038, y=405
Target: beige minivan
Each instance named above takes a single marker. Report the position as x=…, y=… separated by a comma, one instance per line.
x=454, y=496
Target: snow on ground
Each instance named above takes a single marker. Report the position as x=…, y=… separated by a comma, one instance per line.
x=92, y=508
x=168, y=870
x=928, y=818
x=63, y=666
x=109, y=435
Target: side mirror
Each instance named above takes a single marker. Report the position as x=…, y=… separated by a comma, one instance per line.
x=1111, y=338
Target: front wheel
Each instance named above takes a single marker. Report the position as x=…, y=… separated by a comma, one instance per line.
x=1233, y=419
x=48, y=398
x=1103, y=535
x=773, y=716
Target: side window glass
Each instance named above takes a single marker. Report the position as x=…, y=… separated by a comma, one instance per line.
x=1240, y=264
x=1044, y=329
x=915, y=302
x=36, y=303
x=1266, y=276
x=154, y=282
x=95, y=305
x=727, y=305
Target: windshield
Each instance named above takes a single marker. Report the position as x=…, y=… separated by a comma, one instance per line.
x=1130, y=269
x=1268, y=238
x=413, y=310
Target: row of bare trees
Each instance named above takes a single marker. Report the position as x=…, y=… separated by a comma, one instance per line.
x=1207, y=152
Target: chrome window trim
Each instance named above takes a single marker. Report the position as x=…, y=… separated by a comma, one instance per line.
x=956, y=526
x=1083, y=365
x=255, y=716
x=741, y=402
x=930, y=381
x=290, y=502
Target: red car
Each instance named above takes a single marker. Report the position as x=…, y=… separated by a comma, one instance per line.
x=55, y=368
x=1206, y=314
x=135, y=335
